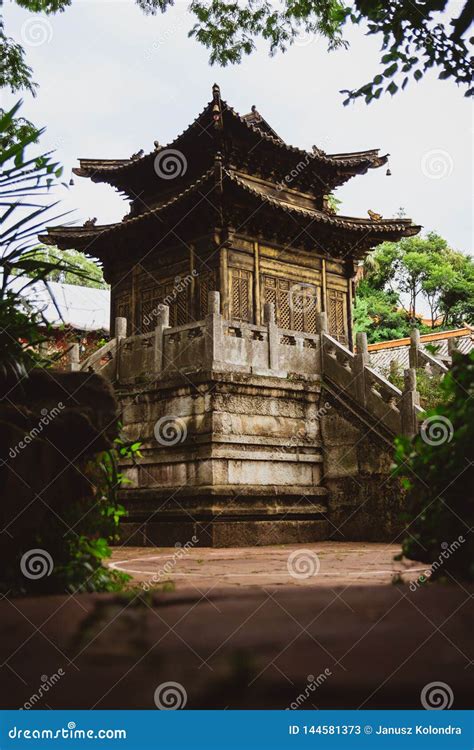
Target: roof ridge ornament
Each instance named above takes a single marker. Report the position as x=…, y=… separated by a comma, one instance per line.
x=217, y=107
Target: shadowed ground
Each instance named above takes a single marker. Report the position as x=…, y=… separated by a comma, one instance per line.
x=233, y=645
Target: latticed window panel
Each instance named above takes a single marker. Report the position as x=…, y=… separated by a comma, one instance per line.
x=295, y=304
x=336, y=315
x=241, y=285
x=171, y=294
x=207, y=283
x=149, y=305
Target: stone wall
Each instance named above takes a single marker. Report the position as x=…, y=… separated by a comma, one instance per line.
x=226, y=457
x=364, y=502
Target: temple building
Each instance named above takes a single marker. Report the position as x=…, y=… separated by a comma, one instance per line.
x=233, y=233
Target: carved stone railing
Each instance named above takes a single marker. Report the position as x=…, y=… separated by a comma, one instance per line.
x=421, y=358
x=217, y=344
x=350, y=373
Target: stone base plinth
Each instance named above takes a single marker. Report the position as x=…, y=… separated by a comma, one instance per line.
x=224, y=533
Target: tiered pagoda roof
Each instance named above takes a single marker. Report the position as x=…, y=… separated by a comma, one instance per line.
x=233, y=173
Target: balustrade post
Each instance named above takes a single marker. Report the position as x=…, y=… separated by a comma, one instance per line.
x=273, y=336
x=361, y=361
x=163, y=322
x=452, y=346
x=214, y=331
x=74, y=358
x=120, y=329
x=410, y=399
x=321, y=329
x=414, y=353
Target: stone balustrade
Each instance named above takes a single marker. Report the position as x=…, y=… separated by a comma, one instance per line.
x=419, y=357
x=215, y=344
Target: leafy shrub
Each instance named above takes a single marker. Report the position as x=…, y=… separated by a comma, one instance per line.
x=437, y=468
x=430, y=388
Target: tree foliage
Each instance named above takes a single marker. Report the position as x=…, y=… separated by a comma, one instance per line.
x=70, y=267
x=437, y=468
x=424, y=267
x=416, y=36
x=377, y=313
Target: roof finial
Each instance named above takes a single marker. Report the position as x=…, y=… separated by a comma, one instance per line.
x=216, y=107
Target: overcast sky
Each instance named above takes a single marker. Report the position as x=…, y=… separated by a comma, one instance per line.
x=113, y=80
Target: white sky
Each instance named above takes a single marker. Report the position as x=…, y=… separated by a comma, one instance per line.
x=113, y=80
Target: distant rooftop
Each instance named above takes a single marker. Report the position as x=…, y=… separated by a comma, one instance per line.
x=81, y=307
x=397, y=350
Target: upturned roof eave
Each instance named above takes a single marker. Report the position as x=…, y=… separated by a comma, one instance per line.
x=113, y=171
x=82, y=237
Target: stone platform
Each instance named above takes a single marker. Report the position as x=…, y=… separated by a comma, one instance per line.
x=254, y=434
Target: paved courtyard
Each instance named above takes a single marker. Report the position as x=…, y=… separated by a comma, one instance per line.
x=245, y=628
x=320, y=564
